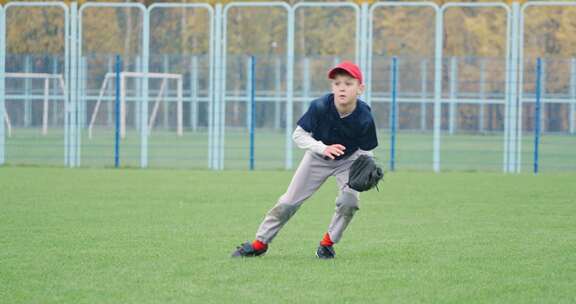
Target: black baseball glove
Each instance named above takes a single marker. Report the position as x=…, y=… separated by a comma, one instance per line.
x=364, y=174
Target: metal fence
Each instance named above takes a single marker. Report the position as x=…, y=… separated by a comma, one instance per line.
x=204, y=92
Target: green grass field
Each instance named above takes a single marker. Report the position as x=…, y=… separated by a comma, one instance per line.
x=165, y=236
x=459, y=152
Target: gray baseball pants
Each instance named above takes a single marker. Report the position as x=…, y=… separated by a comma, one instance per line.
x=312, y=172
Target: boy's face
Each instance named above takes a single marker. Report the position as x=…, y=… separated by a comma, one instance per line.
x=346, y=89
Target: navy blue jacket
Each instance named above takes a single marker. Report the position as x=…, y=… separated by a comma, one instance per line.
x=355, y=131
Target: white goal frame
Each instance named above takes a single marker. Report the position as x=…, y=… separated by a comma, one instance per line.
x=47, y=78
x=123, y=76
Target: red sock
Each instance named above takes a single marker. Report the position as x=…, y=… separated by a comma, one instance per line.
x=258, y=245
x=326, y=241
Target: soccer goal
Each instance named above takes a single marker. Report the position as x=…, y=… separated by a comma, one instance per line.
x=46, y=78
x=164, y=77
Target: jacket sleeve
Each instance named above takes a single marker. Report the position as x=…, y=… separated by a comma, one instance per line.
x=304, y=140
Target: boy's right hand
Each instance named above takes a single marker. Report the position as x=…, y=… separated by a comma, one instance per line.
x=334, y=151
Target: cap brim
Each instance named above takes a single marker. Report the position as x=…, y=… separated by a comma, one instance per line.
x=337, y=69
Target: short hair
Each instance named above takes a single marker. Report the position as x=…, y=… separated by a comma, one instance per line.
x=340, y=72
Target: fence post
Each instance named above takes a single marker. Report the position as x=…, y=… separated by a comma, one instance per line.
x=83, y=88
x=453, y=92
x=537, y=113
x=364, y=20
x=277, y=88
x=252, y=82
x=439, y=43
x=80, y=107
x=305, y=84
x=393, y=113
x=117, y=112
x=27, y=89
x=513, y=123
x=219, y=92
x=138, y=83
x=71, y=119
x=289, y=89
x=165, y=105
x=194, y=93
x=2, y=87
x=194, y=86
x=110, y=105
x=69, y=43
x=482, y=94
x=572, y=119
x=423, y=92
x=55, y=88
x=543, y=80
x=145, y=67
x=249, y=77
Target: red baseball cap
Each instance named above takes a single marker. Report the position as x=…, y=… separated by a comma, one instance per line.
x=348, y=67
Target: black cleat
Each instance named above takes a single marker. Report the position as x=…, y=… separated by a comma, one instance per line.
x=325, y=252
x=246, y=250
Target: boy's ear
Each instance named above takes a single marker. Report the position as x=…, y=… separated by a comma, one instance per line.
x=361, y=89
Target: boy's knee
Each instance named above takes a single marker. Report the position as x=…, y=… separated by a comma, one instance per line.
x=283, y=211
x=347, y=203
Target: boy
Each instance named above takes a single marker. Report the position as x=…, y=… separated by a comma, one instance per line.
x=335, y=130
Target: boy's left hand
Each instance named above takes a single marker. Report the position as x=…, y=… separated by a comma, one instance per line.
x=334, y=151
